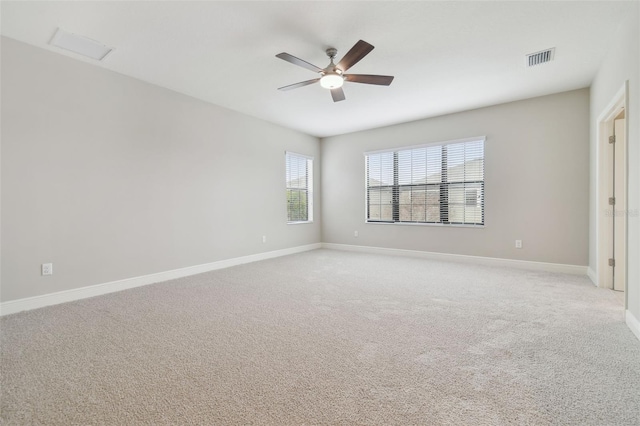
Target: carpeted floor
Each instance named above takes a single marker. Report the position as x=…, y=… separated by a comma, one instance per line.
x=329, y=338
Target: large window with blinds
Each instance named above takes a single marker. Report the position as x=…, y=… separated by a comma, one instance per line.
x=436, y=183
x=299, y=184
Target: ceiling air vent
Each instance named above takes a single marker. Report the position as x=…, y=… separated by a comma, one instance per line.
x=541, y=57
x=80, y=45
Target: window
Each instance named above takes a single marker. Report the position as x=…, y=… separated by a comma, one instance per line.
x=441, y=183
x=299, y=188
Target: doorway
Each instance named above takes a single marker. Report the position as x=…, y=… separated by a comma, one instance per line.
x=611, y=217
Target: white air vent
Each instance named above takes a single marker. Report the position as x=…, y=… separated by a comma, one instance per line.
x=541, y=57
x=80, y=45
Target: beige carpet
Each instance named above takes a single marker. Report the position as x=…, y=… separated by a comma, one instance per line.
x=329, y=338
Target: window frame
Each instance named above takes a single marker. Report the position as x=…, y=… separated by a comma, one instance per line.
x=442, y=187
x=308, y=189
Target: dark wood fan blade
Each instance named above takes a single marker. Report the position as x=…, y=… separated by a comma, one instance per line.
x=353, y=56
x=298, y=61
x=296, y=85
x=337, y=94
x=382, y=80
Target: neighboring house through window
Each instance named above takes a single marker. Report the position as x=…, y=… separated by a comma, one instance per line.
x=435, y=183
x=299, y=183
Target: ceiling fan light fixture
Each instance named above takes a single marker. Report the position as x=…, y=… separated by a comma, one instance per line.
x=332, y=81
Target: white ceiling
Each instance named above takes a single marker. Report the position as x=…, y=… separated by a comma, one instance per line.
x=445, y=56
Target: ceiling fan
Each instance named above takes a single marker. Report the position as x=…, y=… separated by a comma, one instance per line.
x=333, y=76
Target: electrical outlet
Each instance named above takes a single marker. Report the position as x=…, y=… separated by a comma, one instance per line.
x=518, y=244
x=47, y=269
x=355, y=233
x=264, y=238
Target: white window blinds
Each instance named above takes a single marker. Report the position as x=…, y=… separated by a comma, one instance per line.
x=441, y=183
x=299, y=186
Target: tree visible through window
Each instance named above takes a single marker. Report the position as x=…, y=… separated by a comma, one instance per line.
x=299, y=183
x=427, y=184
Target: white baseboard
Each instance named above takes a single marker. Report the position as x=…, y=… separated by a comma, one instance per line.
x=13, y=306
x=592, y=275
x=491, y=261
x=633, y=323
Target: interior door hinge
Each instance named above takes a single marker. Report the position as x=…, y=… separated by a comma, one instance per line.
x=612, y=139
x=612, y=262
x=612, y=201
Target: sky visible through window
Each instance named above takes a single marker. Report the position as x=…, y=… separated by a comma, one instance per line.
x=421, y=165
x=296, y=172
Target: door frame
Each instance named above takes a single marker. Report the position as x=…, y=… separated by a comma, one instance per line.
x=604, y=170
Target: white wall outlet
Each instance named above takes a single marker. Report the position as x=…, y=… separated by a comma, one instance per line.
x=355, y=233
x=518, y=243
x=264, y=238
x=47, y=269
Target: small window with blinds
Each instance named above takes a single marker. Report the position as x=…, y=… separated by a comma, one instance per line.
x=299, y=184
x=436, y=183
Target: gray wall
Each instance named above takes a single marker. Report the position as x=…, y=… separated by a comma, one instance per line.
x=620, y=65
x=536, y=179
x=110, y=178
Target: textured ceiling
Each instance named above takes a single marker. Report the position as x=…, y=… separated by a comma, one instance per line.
x=445, y=56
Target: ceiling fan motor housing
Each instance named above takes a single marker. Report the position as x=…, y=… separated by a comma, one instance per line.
x=331, y=76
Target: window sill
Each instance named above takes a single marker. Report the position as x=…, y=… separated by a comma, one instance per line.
x=302, y=222
x=438, y=225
